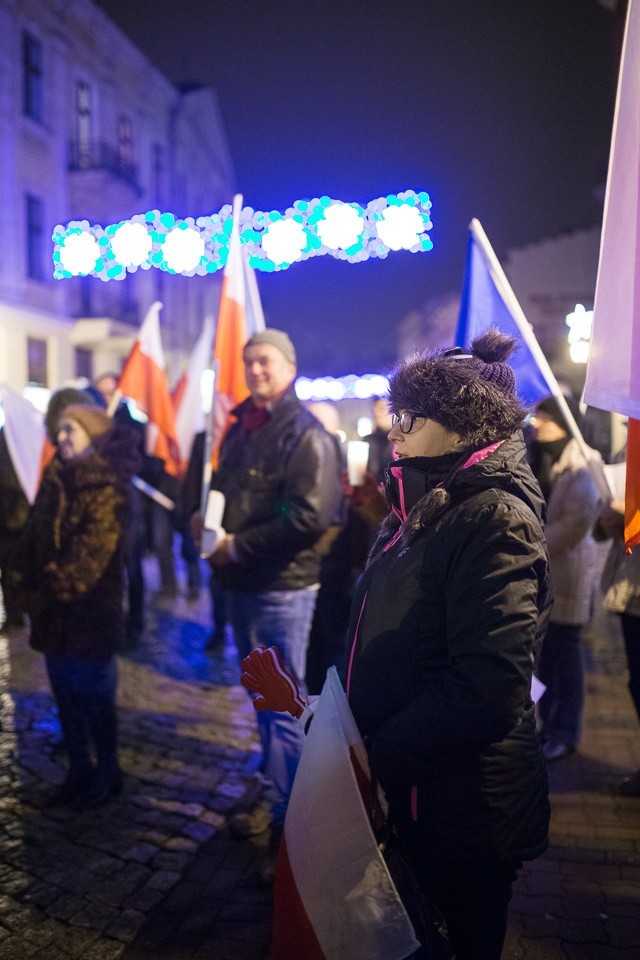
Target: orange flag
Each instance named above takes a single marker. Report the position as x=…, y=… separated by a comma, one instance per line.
x=632, y=488
x=239, y=317
x=144, y=380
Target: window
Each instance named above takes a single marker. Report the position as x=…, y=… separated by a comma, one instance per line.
x=125, y=141
x=37, y=361
x=157, y=169
x=32, y=90
x=83, y=123
x=35, y=237
x=84, y=363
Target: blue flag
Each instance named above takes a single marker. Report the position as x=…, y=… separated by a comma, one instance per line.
x=489, y=301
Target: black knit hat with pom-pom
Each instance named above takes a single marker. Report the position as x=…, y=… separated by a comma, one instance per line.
x=472, y=393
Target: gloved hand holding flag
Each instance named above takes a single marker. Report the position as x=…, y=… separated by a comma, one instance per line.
x=264, y=674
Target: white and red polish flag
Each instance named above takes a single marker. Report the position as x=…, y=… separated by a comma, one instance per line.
x=613, y=371
x=334, y=898
x=144, y=380
x=26, y=439
x=187, y=395
x=240, y=315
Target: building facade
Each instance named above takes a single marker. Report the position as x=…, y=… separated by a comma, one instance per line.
x=90, y=130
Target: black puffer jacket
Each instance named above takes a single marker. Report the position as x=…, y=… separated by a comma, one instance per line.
x=282, y=491
x=445, y=626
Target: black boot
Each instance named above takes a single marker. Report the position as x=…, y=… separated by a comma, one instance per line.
x=106, y=784
x=77, y=782
x=76, y=745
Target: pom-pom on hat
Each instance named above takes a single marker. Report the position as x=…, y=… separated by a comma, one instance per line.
x=277, y=338
x=472, y=393
x=92, y=419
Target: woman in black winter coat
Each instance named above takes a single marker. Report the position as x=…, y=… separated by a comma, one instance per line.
x=446, y=620
x=445, y=624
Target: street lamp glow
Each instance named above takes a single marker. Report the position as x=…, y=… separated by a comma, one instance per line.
x=579, y=351
x=579, y=323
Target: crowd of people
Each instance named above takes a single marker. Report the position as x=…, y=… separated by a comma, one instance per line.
x=467, y=559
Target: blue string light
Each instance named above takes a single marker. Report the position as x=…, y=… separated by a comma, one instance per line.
x=274, y=241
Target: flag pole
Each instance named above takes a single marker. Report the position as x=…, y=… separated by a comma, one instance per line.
x=526, y=330
x=209, y=438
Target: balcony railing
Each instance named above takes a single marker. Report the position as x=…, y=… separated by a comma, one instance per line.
x=97, y=155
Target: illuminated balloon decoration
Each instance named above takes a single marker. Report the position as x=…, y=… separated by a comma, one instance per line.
x=348, y=231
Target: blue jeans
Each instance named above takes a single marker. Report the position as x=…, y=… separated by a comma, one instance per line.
x=561, y=669
x=280, y=618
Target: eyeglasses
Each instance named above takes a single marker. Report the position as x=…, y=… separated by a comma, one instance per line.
x=405, y=421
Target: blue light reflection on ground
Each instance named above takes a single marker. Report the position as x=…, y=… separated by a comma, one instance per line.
x=176, y=647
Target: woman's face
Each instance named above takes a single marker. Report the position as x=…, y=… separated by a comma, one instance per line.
x=426, y=438
x=73, y=440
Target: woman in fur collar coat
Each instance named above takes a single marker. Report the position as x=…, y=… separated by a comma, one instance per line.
x=70, y=571
x=446, y=620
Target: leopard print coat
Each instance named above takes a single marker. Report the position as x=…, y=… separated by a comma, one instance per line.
x=69, y=562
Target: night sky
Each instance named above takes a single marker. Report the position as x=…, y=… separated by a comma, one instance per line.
x=499, y=109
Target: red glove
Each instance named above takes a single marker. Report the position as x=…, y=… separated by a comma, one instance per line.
x=264, y=673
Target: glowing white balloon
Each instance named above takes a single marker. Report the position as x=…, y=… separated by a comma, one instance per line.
x=400, y=227
x=183, y=249
x=79, y=253
x=131, y=244
x=341, y=227
x=284, y=241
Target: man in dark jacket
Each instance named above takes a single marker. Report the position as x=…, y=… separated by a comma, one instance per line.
x=279, y=475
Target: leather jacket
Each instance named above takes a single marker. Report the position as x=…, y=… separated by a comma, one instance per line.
x=282, y=491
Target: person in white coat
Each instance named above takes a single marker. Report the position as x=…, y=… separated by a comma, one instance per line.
x=573, y=504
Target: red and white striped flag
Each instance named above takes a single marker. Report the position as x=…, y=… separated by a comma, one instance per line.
x=144, y=380
x=334, y=898
x=27, y=442
x=613, y=372
x=239, y=317
x=187, y=395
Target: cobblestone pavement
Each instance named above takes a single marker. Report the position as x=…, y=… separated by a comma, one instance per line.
x=581, y=900
x=155, y=873
x=85, y=884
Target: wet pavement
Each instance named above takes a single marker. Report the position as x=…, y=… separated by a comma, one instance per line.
x=155, y=872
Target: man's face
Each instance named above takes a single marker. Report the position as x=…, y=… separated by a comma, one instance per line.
x=546, y=430
x=107, y=387
x=267, y=371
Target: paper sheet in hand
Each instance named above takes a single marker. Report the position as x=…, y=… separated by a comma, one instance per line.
x=213, y=531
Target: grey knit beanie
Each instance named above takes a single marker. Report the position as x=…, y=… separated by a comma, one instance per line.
x=277, y=338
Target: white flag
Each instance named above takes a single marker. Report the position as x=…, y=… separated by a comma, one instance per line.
x=334, y=898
